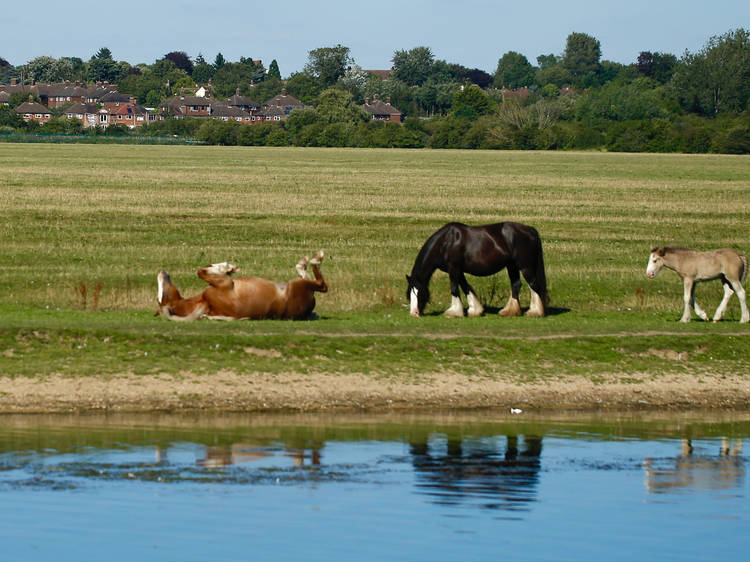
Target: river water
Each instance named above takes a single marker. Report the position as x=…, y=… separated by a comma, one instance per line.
x=438, y=486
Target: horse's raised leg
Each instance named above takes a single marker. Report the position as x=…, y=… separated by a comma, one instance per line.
x=687, y=297
x=301, y=267
x=721, y=309
x=513, y=306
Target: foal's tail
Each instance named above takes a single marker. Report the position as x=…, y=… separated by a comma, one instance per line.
x=743, y=273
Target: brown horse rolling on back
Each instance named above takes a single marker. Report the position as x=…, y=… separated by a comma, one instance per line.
x=244, y=297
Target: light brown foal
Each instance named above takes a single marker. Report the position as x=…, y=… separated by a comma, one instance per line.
x=694, y=266
x=227, y=298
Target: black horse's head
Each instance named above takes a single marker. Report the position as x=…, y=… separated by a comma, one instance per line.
x=418, y=295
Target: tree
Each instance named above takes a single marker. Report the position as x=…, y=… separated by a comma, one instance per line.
x=103, y=53
x=513, y=71
x=181, y=60
x=202, y=71
x=336, y=106
x=328, y=64
x=413, y=67
x=659, y=66
x=472, y=97
x=219, y=61
x=581, y=58
x=716, y=79
x=273, y=70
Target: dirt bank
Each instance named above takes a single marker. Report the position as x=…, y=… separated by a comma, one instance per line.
x=324, y=392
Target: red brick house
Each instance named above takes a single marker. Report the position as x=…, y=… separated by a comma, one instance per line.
x=284, y=101
x=382, y=111
x=33, y=111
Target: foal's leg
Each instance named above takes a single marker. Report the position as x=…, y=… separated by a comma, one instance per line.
x=740, y=290
x=687, y=297
x=513, y=306
x=728, y=292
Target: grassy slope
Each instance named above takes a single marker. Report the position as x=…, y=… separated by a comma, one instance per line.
x=101, y=221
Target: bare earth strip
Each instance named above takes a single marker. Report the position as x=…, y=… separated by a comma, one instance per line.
x=324, y=392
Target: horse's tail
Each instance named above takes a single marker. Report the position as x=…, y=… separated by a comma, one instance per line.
x=540, y=281
x=743, y=273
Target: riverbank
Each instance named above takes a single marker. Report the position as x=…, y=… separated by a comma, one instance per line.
x=316, y=392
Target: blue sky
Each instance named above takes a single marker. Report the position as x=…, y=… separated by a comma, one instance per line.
x=474, y=33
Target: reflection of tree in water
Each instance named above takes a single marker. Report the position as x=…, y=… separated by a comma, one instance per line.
x=465, y=470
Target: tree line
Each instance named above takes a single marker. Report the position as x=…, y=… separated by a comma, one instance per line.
x=698, y=102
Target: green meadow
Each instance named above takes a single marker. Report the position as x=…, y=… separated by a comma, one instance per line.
x=84, y=230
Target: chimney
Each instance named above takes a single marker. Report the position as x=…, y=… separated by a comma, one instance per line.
x=14, y=81
x=367, y=101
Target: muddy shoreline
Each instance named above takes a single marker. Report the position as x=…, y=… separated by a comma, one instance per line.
x=296, y=392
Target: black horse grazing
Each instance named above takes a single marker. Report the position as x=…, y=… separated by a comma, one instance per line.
x=480, y=250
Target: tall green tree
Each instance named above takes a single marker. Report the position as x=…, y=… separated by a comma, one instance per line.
x=273, y=70
x=513, y=71
x=328, y=64
x=717, y=78
x=581, y=58
x=202, y=71
x=413, y=67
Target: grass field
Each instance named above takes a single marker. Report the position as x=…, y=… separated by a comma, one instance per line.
x=84, y=230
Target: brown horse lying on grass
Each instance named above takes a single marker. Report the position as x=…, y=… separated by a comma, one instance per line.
x=694, y=266
x=244, y=297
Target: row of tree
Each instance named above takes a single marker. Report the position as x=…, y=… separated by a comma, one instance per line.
x=697, y=103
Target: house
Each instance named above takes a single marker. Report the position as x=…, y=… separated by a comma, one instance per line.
x=230, y=113
x=382, y=74
x=243, y=103
x=88, y=113
x=130, y=115
x=270, y=114
x=187, y=106
x=113, y=100
x=4, y=98
x=33, y=111
x=284, y=101
x=382, y=111
x=518, y=94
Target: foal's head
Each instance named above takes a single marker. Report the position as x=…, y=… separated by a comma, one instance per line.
x=655, y=261
x=418, y=295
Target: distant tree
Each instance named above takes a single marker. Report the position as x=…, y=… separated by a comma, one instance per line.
x=479, y=77
x=219, y=61
x=181, y=60
x=303, y=86
x=473, y=97
x=328, y=64
x=334, y=105
x=231, y=76
x=4, y=63
x=414, y=66
x=658, y=66
x=9, y=118
x=202, y=71
x=103, y=53
x=546, y=61
x=581, y=58
x=513, y=71
x=717, y=78
x=273, y=70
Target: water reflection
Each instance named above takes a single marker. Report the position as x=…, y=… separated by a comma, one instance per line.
x=240, y=453
x=697, y=470
x=454, y=470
